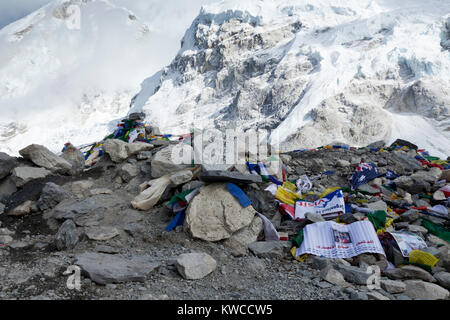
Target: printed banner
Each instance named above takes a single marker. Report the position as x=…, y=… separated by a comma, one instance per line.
x=328, y=206
x=408, y=241
x=333, y=240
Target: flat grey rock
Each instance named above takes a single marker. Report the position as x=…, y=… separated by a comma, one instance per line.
x=228, y=176
x=105, y=268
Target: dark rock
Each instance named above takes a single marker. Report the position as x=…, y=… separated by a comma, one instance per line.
x=269, y=249
x=51, y=196
x=400, y=142
x=228, y=176
x=7, y=163
x=347, y=218
x=67, y=236
x=105, y=268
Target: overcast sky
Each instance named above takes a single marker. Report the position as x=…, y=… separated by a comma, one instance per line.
x=11, y=10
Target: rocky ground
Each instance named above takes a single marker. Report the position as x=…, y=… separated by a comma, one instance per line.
x=54, y=214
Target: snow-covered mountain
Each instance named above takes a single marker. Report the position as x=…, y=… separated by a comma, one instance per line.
x=314, y=72
x=65, y=77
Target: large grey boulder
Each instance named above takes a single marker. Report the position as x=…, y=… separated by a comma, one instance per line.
x=214, y=214
x=443, y=278
x=354, y=274
x=105, y=268
x=241, y=239
x=195, y=265
x=101, y=233
x=22, y=175
x=44, y=158
x=393, y=286
x=73, y=209
x=418, y=289
x=67, y=236
x=409, y=272
x=269, y=249
x=171, y=159
x=7, y=188
x=7, y=163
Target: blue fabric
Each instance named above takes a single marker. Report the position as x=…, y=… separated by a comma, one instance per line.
x=447, y=167
x=391, y=175
x=329, y=173
x=364, y=173
x=177, y=221
x=239, y=194
x=348, y=208
x=275, y=180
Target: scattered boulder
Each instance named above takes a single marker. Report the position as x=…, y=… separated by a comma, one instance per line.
x=417, y=289
x=410, y=216
x=7, y=188
x=393, y=286
x=181, y=177
x=101, y=233
x=241, y=239
x=214, y=214
x=193, y=266
x=78, y=187
x=128, y=171
x=119, y=150
x=409, y=272
x=354, y=274
x=169, y=160
x=106, y=268
x=22, y=175
x=443, y=279
x=44, y=158
x=51, y=196
x=269, y=249
x=21, y=210
x=334, y=277
x=373, y=295
x=67, y=236
x=2, y=208
x=73, y=156
x=7, y=163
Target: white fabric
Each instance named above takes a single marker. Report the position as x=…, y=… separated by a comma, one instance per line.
x=270, y=233
x=333, y=240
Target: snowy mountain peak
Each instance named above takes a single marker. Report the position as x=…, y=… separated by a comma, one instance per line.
x=314, y=72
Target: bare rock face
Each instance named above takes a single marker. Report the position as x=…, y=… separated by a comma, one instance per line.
x=214, y=214
x=44, y=158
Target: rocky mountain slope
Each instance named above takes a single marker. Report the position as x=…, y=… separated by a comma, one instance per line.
x=312, y=72
x=185, y=233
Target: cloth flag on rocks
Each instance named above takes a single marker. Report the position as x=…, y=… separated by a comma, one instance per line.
x=333, y=240
x=364, y=173
x=330, y=206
